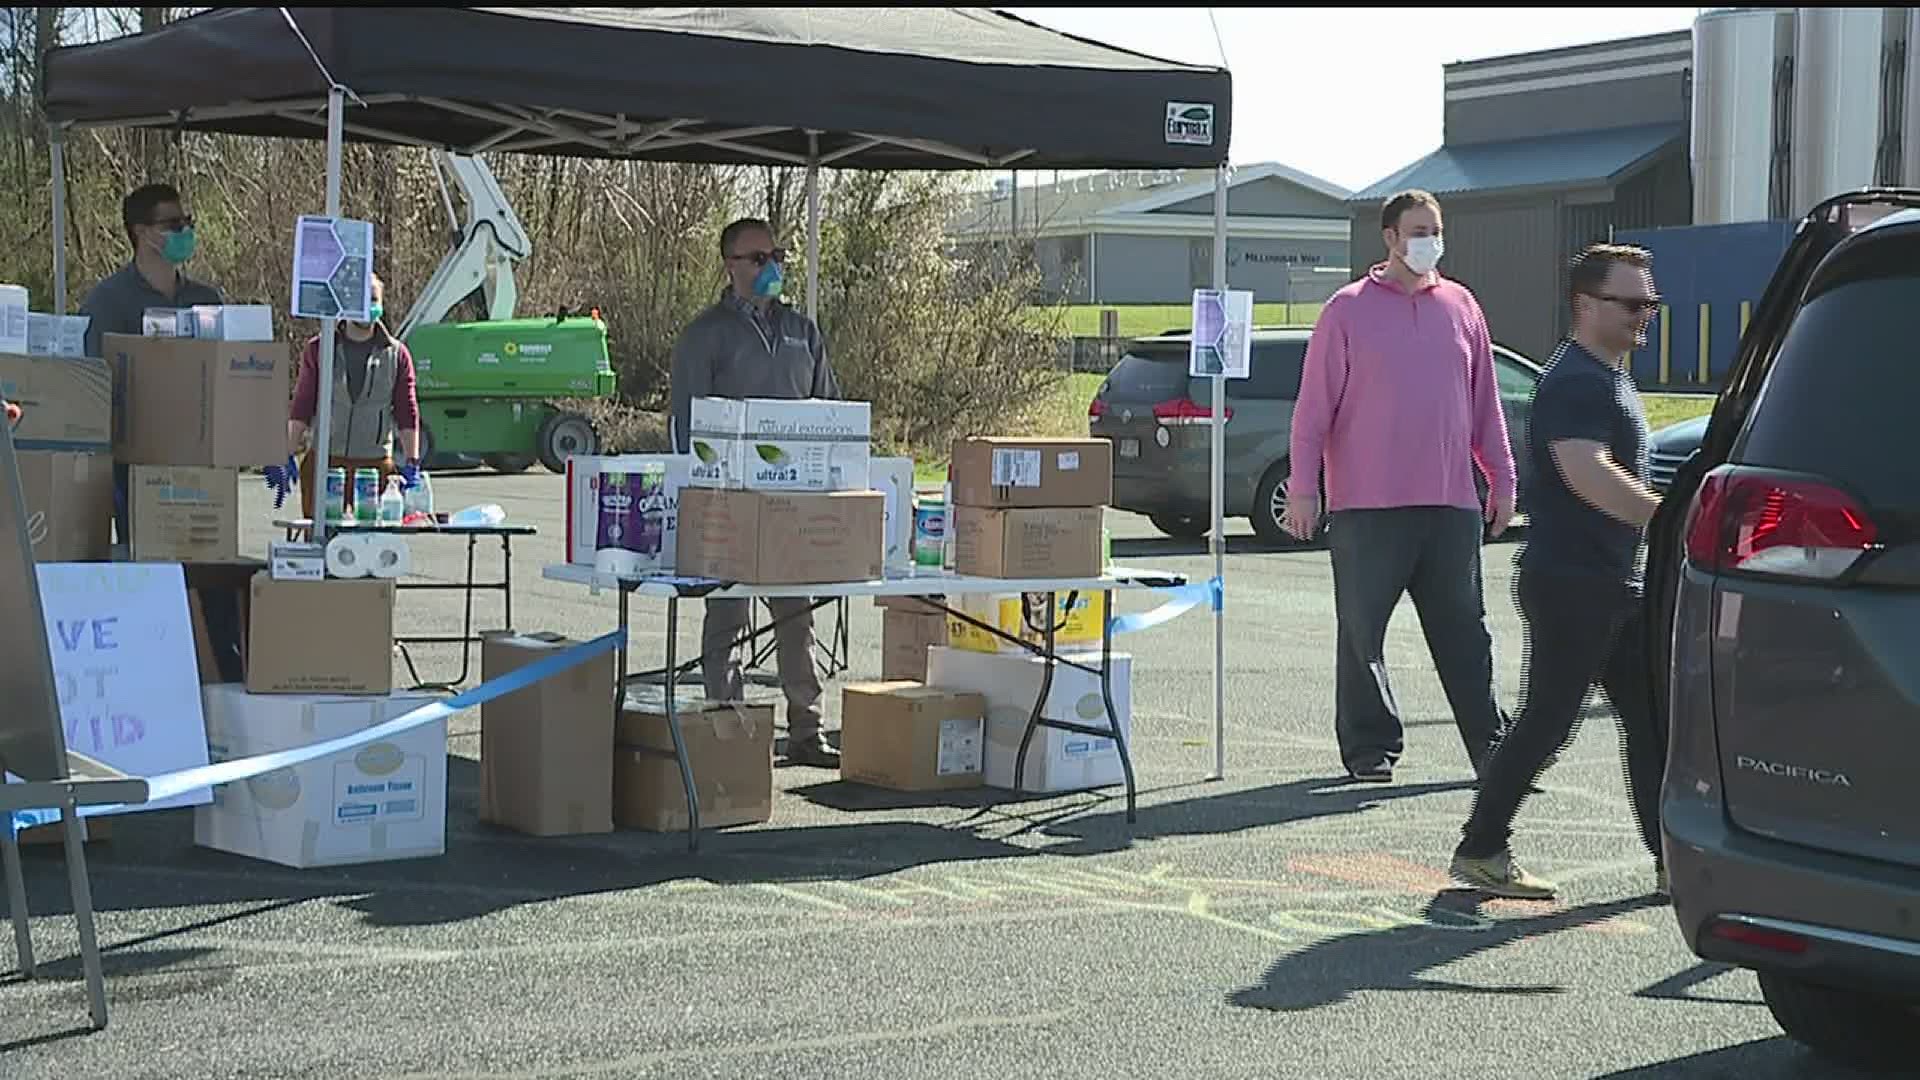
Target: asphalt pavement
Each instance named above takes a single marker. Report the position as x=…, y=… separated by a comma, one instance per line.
x=1276, y=923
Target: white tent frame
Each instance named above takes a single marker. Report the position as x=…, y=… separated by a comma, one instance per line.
x=523, y=130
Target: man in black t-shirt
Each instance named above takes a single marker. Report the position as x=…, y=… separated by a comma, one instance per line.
x=1579, y=581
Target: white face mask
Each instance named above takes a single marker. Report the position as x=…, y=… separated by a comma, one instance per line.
x=1423, y=253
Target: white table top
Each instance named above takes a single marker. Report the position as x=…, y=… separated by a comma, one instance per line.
x=1116, y=578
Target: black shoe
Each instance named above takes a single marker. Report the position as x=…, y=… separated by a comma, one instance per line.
x=1373, y=774
x=815, y=751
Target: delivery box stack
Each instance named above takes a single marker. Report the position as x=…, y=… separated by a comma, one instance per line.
x=780, y=493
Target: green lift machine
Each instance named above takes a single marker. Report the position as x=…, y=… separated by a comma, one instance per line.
x=498, y=391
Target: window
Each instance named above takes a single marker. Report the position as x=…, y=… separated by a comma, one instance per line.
x=1516, y=382
x=1276, y=371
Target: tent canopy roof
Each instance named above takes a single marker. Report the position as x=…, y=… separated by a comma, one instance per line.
x=889, y=88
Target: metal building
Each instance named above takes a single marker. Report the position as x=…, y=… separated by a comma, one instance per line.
x=1544, y=153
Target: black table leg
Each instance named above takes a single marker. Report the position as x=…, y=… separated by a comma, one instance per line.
x=673, y=724
x=1106, y=695
x=1039, y=704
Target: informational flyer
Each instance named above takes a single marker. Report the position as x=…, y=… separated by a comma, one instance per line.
x=332, y=268
x=1222, y=333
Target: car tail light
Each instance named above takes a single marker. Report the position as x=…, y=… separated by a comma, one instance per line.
x=1186, y=411
x=1759, y=937
x=1096, y=409
x=1746, y=521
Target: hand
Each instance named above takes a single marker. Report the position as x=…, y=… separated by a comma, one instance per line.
x=1499, y=513
x=13, y=415
x=1302, y=517
x=409, y=475
x=281, y=479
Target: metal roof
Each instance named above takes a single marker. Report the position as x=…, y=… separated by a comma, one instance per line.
x=1576, y=159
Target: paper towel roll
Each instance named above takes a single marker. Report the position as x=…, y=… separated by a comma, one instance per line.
x=387, y=556
x=348, y=557
x=619, y=562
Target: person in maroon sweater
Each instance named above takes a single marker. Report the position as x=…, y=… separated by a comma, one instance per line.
x=374, y=404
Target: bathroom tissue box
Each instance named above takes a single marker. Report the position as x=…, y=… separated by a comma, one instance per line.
x=297, y=562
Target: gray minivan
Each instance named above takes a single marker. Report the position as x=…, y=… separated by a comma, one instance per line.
x=1159, y=420
x=1784, y=582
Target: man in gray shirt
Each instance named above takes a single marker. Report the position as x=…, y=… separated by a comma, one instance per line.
x=751, y=345
x=161, y=234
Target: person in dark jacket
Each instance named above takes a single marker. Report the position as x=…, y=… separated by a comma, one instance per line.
x=749, y=344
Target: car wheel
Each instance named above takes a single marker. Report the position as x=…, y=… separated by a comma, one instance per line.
x=509, y=463
x=1181, y=526
x=566, y=435
x=1858, y=1029
x=1270, y=507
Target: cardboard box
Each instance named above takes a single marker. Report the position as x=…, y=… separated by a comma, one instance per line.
x=583, y=501
x=1056, y=760
x=545, y=762
x=761, y=444
x=383, y=801
x=289, y=561
x=729, y=749
x=233, y=322
x=905, y=637
x=227, y=589
x=320, y=637
x=57, y=335
x=14, y=334
x=211, y=403
x=910, y=737
x=1076, y=625
x=1027, y=544
x=769, y=538
x=184, y=513
x=69, y=501
x=65, y=404
x=1009, y=473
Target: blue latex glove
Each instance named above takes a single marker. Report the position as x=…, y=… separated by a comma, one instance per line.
x=281, y=479
x=409, y=476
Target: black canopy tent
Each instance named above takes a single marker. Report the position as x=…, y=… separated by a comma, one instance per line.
x=869, y=88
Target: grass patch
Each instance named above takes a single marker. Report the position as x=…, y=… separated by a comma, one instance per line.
x=1146, y=320
x=1665, y=409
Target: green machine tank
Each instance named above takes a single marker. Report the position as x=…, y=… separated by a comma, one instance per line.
x=488, y=389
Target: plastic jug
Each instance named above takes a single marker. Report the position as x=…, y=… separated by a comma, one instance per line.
x=393, y=504
x=419, y=498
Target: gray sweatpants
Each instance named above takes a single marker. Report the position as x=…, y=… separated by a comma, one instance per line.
x=1433, y=554
x=793, y=649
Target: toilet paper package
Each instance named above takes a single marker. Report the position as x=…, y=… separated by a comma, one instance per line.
x=375, y=555
x=631, y=533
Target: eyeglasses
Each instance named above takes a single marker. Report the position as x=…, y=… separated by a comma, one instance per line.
x=173, y=224
x=761, y=258
x=1635, y=304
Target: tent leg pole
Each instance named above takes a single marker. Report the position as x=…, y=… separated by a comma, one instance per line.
x=1218, y=487
x=323, y=409
x=57, y=149
x=83, y=912
x=813, y=226
x=17, y=896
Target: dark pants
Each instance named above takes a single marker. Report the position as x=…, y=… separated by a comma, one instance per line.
x=793, y=650
x=1433, y=554
x=1581, y=631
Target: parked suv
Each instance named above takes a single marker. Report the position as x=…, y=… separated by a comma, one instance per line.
x=1786, y=566
x=1159, y=419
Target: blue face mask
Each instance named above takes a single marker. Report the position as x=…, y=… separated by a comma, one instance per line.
x=769, y=280
x=179, y=246
x=374, y=311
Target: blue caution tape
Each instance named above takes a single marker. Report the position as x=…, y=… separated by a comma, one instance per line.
x=1180, y=600
x=173, y=784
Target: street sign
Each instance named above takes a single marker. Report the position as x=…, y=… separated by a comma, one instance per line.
x=1222, y=333
x=332, y=268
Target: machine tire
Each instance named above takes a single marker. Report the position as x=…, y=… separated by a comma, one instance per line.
x=1857, y=1029
x=565, y=435
x=1181, y=526
x=509, y=463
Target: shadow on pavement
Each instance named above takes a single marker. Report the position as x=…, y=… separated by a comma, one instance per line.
x=1239, y=811
x=1333, y=970
x=1778, y=1058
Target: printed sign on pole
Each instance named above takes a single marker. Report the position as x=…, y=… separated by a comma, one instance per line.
x=1222, y=333
x=332, y=268
x=124, y=668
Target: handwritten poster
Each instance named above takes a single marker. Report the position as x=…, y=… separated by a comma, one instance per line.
x=124, y=667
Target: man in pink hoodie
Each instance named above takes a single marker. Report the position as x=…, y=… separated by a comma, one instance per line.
x=1398, y=405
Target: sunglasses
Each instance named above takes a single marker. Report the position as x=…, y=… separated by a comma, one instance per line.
x=173, y=224
x=1635, y=304
x=761, y=258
